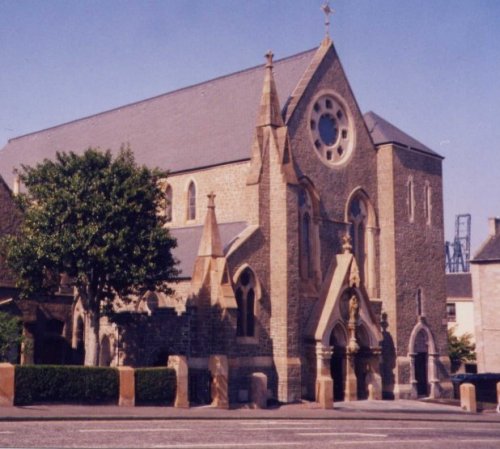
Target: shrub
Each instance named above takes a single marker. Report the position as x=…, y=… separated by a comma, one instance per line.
x=155, y=386
x=10, y=337
x=67, y=384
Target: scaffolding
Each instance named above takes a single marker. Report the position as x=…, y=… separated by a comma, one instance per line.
x=458, y=252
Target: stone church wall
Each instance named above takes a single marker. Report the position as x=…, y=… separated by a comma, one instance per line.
x=419, y=248
x=412, y=260
x=149, y=340
x=334, y=184
x=226, y=181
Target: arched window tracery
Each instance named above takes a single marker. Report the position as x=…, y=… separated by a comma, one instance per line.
x=245, y=299
x=361, y=217
x=306, y=234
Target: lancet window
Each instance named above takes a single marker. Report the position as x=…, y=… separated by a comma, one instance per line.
x=168, y=205
x=306, y=241
x=245, y=299
x=191, y=201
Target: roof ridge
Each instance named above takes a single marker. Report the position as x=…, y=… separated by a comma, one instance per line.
x=165, y=94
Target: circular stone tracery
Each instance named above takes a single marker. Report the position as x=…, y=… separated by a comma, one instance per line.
x=331, y=130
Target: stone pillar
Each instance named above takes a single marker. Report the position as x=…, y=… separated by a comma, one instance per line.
x=370, y=275
x=127, y=386
x=433, y=379
x=179, y=364
x=468, y=398
x=324, y=392
x=7, y=372
x=413, y=380
x=27, y=346
x=218, y=367
x=351, y=381
x=373, y=378
x=324, y=381
x=258, y=390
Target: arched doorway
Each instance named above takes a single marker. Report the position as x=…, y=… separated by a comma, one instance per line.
x=338, y=340
x=362, y=362
x=79, y=343
x=105, y=354
x=51, y=348
x=421, y=363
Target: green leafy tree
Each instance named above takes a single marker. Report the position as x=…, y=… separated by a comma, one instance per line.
x=460, y=348
x=10, y=336
x=94, y=219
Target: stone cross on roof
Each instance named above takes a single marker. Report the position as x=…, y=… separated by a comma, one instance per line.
x=328, y=12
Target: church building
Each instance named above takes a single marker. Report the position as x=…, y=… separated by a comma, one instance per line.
x=310, y=236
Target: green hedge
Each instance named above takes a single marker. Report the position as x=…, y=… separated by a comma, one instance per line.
x=155, y=386
x=68, y=384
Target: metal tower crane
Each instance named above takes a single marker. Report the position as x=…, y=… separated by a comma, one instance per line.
x=458, y=252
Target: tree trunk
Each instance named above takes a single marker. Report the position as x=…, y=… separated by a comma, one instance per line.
x=92, y=338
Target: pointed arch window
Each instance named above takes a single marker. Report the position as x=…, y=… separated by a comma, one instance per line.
x=245, y=299
x=358, y=216
x=363, y=226
x=427, y=203
x=191, y=201
x=410, y=199
x=168, y=205
x=305, y=237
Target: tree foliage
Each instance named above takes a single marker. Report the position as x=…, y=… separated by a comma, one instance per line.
x=461, y=349
x=10, y=336
x=94, y=219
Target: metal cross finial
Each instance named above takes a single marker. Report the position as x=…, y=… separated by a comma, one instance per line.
x=328, y=12
x=269, y=57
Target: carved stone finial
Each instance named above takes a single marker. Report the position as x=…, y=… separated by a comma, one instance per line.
x=211, y=200
x=346, y=244
x=269, y=57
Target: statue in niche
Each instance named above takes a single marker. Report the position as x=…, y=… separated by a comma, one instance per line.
x=353, y=308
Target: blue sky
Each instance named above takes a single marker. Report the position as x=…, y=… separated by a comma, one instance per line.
x=431, y=67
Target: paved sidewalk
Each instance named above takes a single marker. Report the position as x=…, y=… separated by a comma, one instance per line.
x=364, y=410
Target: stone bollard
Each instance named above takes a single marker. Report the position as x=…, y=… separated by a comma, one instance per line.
x=468, y=398
x=324, y=392
x=258, y=390
x=179, y=364
x=127, y=386
x=6, y=384
x=218, y=367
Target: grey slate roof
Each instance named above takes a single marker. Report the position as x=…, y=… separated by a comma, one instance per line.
x=384, y=132
x=198, y=126
x=207, y=124
x=490, y=251
x=458, y=285
x=188, y=242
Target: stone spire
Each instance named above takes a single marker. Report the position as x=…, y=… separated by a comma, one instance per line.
x=270, y=110
x=210, y=244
